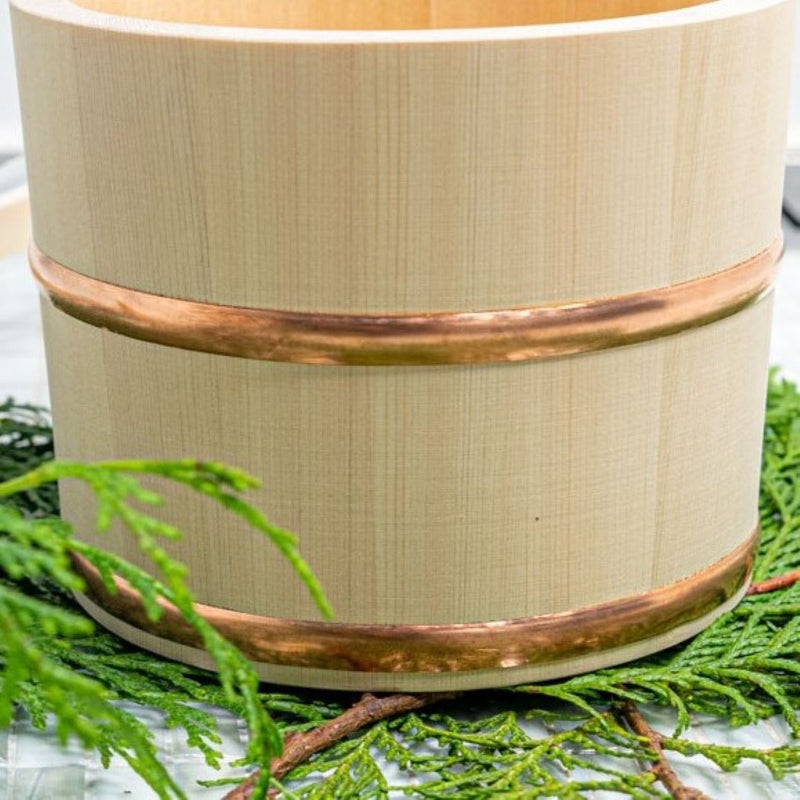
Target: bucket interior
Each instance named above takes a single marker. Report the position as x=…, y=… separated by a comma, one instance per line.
x=381, y=14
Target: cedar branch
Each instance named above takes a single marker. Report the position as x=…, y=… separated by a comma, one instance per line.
x=299, y=747
x=776, y=583
x=660, y=767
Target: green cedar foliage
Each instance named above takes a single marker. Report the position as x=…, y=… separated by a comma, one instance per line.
x=562, y=739
x=52, y=661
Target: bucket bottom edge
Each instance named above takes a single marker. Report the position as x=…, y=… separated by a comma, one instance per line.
x=371, y=657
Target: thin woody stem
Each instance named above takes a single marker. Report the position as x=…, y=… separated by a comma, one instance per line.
x=299, y=747
x=776, y=583
x=659, y=766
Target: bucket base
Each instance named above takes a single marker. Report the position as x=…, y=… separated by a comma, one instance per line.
x=438, y=657
x=414, y=681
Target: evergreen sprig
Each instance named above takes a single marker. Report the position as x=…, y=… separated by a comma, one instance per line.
x=564, y=739
x=26, y=441
x=50, y=660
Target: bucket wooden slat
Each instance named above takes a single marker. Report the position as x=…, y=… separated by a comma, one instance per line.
x=425, y=171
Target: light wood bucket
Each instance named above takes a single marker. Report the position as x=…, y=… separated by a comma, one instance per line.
x=481, y=291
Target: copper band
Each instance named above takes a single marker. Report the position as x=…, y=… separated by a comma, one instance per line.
x=518, y=334
x=445, y=648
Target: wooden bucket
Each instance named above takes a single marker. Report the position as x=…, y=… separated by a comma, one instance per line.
x=481, y=291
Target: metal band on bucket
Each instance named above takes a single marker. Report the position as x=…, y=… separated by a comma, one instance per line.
x=463, y=647
x=497, y=335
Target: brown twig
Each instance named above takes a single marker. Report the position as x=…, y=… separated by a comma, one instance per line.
x=299, y=747
x=660, y=767
x=776, y=583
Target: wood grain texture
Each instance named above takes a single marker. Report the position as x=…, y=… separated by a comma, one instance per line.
x=438, y=494
x=386, y=177
x=403, y=172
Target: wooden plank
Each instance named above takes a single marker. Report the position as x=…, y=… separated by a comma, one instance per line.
x=408, y=172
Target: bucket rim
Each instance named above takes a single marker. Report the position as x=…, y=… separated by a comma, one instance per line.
x=70, y=13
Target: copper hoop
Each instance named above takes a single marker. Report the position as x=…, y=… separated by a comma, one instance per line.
x=504, y=335
x=462, y=647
